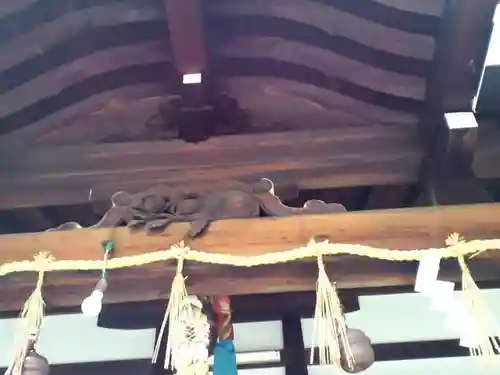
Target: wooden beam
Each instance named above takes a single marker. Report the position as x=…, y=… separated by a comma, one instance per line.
x=359, y=156
x=293, y=345
x=371, y=155
x=399, y=229
x=185, y=25
x=461, y=51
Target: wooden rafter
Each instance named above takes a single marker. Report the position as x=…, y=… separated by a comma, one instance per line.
x=461, y=51
x=185, y=25
x=403, y=229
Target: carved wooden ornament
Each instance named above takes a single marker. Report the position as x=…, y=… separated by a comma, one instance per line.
x=154, y=209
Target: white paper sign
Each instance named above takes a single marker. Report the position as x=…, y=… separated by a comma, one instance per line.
x=458, y=316
x=442, y=295
x=460, y=319
x=427, y=273
x=469, y=338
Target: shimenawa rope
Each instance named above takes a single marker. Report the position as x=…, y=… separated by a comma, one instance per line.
x=310, y=251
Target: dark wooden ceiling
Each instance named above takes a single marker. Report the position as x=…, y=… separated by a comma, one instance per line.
x=80, y=71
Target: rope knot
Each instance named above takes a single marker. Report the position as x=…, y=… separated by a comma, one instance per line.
x=456, y=241
x=318, y=251
x=43, y=259
x=182, y=250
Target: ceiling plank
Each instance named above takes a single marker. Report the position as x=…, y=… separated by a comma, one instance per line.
x=373, y=155
x=461, y=51
x=398, y=229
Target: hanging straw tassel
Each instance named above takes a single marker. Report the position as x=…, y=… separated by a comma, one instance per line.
x=31, y=317
x=175, y=307
x=486, y=330
x=330, y=331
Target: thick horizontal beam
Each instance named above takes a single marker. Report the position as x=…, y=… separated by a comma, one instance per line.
x=358, y=156
x=371, y=155
x=397, y=229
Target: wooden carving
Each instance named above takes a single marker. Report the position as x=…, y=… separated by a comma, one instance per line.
x=220, y=115
x=154, y=209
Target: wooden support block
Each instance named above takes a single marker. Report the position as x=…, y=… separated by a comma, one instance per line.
x=447, y=175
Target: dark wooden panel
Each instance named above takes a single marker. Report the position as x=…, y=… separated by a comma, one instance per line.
x=280, y=104
x=328, y=62
x=412, y=20
x=387, y=197
x=123, y=110
x=353, y=24
x=58, y=55
x=33, y=15
x=264, y=67
x=293, y=345
x=155, y=72
x=487, y=154
x=74, y=35
x=59, y=79
x=9, y=6
x=309, y=30
x=373, y=57
x=422, y=7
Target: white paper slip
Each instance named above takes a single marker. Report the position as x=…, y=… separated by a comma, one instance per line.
x=442, y=294
x=427, y=273
x=458, y=315
x=469, y=337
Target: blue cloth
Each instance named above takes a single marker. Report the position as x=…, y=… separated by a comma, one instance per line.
x=225, y=358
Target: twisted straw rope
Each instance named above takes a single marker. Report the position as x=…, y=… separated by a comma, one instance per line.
x=310, y=251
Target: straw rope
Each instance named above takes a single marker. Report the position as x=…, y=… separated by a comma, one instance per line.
x=329, y=327
x=175, y=308
x=310, y=251
x=31, y=316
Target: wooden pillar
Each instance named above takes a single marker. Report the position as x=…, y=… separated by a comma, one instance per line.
x=294, y=355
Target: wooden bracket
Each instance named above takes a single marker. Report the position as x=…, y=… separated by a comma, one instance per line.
x=447, y=175
x=217, y=114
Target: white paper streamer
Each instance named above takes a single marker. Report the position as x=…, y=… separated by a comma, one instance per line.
x=442, y=294
x=427, y=273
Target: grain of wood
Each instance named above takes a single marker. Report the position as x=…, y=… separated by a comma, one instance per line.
x=404, y=228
